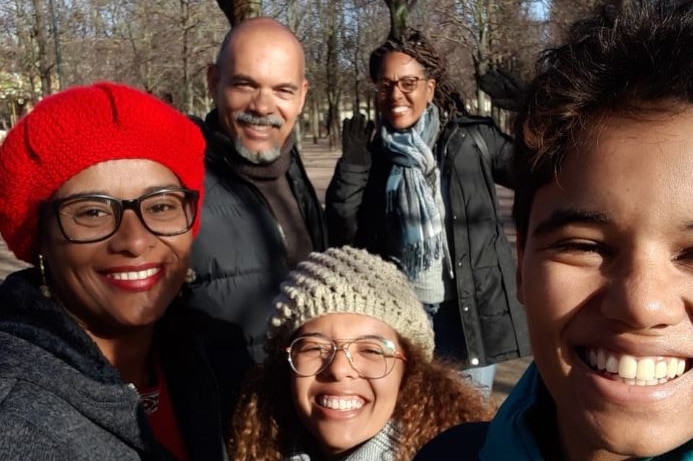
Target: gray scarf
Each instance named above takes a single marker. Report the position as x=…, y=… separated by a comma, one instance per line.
x=381, y=447
x=411, y=201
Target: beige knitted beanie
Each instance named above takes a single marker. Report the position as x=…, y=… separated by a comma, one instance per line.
x=349, y=281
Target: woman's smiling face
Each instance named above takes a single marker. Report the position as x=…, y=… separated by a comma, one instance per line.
x=128, y=280
x=340, y=409
x=402, y=110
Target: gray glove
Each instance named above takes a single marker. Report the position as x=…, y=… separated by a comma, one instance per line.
x=356, y=138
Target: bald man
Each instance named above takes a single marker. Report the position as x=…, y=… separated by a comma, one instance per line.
x=260, y=213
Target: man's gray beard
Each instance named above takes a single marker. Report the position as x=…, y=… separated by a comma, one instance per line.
x=261, y=157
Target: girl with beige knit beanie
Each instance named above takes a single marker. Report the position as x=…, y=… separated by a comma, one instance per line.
x=349, y=373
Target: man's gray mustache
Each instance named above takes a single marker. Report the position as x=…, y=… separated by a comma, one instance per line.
x=250, y=119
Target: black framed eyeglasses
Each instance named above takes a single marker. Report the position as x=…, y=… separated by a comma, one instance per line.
x=90, y=218
x=405, y=84
x=372, y=357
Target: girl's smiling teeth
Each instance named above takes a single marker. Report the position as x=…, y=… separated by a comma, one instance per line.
x=134, y=275
x=638, y=371
x=340, y=403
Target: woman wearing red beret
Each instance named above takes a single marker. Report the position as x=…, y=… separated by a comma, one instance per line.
x=99, y=190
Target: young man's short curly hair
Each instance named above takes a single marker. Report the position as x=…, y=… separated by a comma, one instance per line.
x=631, y=60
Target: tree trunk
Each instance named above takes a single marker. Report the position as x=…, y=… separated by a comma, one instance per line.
x=238, y=10
x=399, y=14
x=185, y=61
x=44, y=63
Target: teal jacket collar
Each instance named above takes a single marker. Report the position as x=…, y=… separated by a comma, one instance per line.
x=510, y=435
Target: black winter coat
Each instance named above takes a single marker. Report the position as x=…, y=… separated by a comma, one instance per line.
x=239, y=255
x=60, y=399
x=493, y=321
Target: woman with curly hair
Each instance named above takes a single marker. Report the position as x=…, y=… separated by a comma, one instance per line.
x=349, y=373
x=423, y=192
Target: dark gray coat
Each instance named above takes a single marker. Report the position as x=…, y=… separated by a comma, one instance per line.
x=60, y=399
x=493, y=321
x=239, y=255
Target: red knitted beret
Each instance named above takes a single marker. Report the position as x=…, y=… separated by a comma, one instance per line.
x=80, y=127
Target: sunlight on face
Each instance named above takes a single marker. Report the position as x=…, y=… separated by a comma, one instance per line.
x=340, y=409
x=260, y=90
x=402, y=110
x=606, y=275
x=128, y=280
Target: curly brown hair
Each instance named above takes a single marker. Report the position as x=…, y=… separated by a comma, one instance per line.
x=413, y=43
x=631, y=58
x=431, y=399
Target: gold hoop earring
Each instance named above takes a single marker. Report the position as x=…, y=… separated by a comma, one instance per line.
x=190, y=276
x=45, y=289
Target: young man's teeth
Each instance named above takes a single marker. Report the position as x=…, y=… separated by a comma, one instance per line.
x=134, y=275
x=399, y=110
x=638, y=371
x=343, y=404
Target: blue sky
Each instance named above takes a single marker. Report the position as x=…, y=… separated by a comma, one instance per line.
x=540, y=9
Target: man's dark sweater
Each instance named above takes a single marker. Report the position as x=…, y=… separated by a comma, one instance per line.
x=256, y=223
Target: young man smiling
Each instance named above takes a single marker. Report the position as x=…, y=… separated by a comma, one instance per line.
x=605, y=247
x=260, y=214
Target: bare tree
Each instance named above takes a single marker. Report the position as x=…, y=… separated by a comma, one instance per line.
x=564, y=12
x=238, y=10
x=363, y=33
x=20, y=83
x=490, y=45
x=332, y=72
x=45, y=63
x=399, y=13
x=163, y=46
